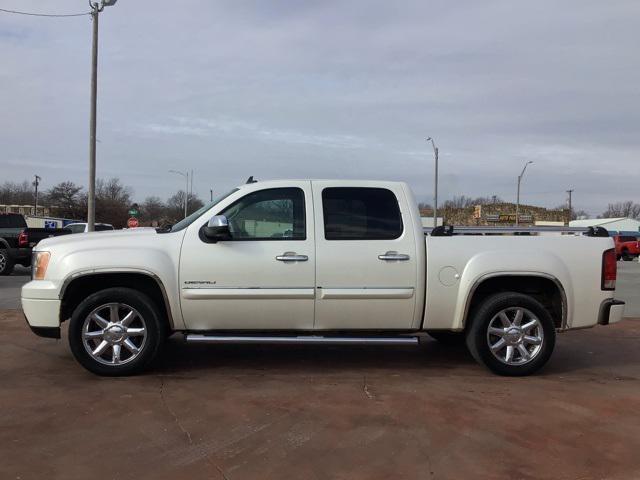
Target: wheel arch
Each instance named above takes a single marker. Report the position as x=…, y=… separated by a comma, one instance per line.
x=80, y=285
x=544, y=287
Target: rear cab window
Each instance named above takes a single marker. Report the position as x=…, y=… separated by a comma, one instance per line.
x=12, y=221
x=361, y=213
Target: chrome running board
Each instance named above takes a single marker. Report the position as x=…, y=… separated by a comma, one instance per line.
x=306, y=339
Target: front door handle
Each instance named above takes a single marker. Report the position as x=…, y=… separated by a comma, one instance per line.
x=291, y=257
x=394, y=256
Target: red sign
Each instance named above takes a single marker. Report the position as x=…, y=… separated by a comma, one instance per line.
x=132, y=222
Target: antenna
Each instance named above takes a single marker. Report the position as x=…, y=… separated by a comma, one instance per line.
x=251, y=180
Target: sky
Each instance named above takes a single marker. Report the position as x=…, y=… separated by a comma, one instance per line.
x=331, y=89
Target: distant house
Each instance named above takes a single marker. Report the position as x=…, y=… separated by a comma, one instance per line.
x=24, y=209
x=621, y=224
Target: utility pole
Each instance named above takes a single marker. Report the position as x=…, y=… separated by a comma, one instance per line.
x=191, y=187
x=570, y=191
x=96, y=8
x=35, y=184
x=518, y=195
x=435, y=187
x=211, y=195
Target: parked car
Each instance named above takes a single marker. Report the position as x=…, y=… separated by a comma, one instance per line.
x=16, y=241
x=627, y=247
x=79, y=227
x=318, y=262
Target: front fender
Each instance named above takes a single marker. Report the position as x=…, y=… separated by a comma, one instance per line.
x=155, y=263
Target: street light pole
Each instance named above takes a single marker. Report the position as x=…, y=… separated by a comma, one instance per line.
x=435, y=187
x=186, y=190
x=518, y=196
x=96, y=8
x=570, y=210
x=91, y=199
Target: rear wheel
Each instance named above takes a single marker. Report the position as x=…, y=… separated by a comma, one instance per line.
x=511, y=334
x=6, y=264
x=626, y=257
x=116, y=332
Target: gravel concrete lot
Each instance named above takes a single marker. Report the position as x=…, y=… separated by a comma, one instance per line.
x=245, y=412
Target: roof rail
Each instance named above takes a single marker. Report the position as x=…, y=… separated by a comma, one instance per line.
x=450, y=230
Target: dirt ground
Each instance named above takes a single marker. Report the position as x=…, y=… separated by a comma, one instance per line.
x=250, y=412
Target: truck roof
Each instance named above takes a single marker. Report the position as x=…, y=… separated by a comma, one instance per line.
x=340, y=181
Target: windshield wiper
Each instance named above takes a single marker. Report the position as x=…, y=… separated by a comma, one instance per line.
x=164, y=228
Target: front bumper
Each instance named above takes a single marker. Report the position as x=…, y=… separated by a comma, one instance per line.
x=611, y=311
x=41, y=307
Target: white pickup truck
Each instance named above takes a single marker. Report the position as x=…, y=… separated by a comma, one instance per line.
x=305, y=261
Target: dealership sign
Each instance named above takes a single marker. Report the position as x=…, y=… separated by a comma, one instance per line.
x=508, y=218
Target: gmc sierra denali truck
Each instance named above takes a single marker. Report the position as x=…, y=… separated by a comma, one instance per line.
x=305, y=261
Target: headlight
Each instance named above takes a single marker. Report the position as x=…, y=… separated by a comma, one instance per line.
x=39, y=265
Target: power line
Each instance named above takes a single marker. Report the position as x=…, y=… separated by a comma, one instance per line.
x=45, y=14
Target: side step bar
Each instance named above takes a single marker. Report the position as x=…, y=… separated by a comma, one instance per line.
x=306, y=339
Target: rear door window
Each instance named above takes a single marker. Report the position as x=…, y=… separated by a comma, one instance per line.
x=360, y=213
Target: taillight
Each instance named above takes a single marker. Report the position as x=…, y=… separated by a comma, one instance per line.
x=23, y=239
x=609, y=270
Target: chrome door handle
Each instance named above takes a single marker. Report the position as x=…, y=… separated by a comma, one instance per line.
x=394, y=256
x=291, y=257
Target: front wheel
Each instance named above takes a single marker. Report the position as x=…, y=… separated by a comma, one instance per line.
x=511, y=334
x=116, y=332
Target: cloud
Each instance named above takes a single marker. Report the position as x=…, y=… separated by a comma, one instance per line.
x=232, y=128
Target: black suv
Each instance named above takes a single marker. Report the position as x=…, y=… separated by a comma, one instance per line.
x=16, y=241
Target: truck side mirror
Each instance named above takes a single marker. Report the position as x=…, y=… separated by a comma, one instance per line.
x=217, y=229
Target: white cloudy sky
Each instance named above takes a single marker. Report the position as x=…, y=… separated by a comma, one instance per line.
x=331, y=89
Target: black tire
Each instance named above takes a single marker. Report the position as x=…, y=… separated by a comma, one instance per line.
x=626, y=257
x=148, y=316
x=6, y=263
x=447, y=337
x=477, y=337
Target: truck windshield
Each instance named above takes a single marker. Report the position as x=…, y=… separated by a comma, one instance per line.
x=184, y=223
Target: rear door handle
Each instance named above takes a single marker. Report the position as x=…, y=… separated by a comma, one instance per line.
x=394, y=256
x=291, y=257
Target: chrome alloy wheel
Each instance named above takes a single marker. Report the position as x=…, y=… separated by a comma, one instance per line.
x=3, y=262
x=114, y=334
x=515, y=336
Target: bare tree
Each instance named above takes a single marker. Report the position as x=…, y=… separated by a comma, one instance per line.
x=627, y=209
x=66, y=200
x=113, y=200
x=175, y=206
x=13, y=193
x=153, y=209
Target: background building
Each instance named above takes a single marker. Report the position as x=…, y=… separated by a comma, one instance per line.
x=495, y=214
